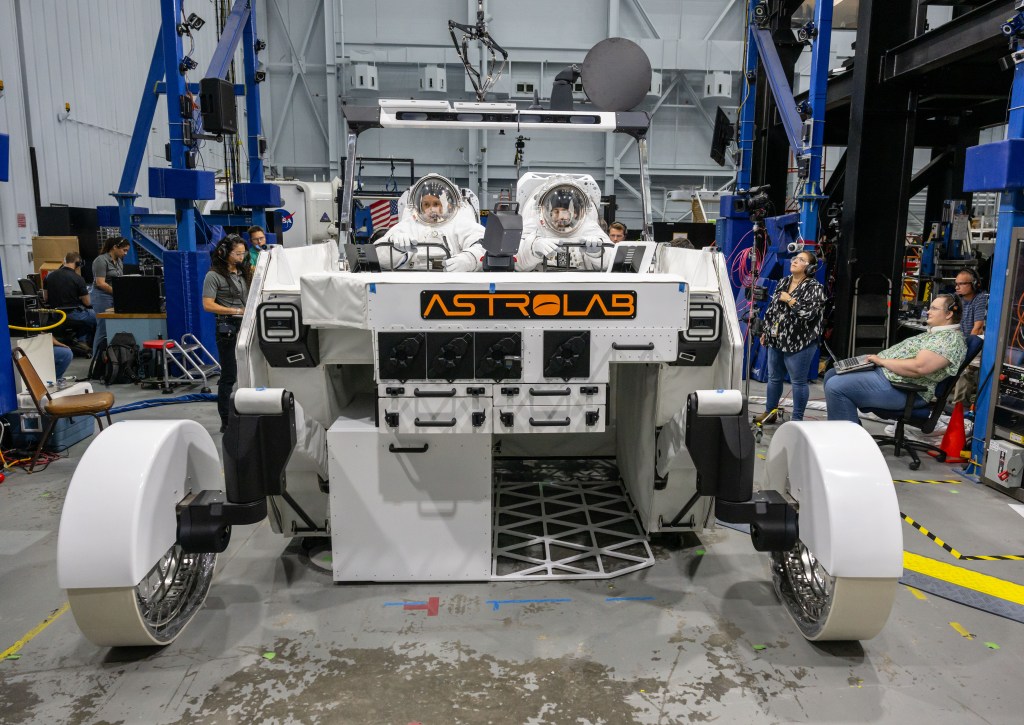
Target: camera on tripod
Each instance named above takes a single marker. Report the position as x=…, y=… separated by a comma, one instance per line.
x=753, y=202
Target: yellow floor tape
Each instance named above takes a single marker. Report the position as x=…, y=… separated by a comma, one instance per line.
x=961, y=630
x=34, y=631
x=961, y=577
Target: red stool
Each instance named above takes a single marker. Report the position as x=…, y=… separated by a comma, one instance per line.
x=160, y=346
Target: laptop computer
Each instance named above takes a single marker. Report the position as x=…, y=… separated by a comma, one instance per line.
x=853, y=364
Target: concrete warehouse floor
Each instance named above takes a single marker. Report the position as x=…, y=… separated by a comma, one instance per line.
x=699, y=637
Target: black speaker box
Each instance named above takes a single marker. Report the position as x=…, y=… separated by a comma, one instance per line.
x=217, y=101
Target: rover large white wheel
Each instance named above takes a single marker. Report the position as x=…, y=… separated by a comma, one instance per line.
x=839, y=581
x=128, y=581
x=825, y=607
x=153, y=612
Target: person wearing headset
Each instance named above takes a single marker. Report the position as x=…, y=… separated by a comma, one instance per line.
x=924, y=359
x=975, y=303
x=792, y=326
x=225, y=290
x=974, y=300
x=64, y=289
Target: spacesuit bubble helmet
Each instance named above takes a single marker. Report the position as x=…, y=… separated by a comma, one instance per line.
x=563, y=208
x=434, y=200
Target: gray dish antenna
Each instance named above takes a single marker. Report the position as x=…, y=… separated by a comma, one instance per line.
x=616, y=75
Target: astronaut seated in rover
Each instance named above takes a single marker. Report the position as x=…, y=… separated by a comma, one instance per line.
x=560, y=227
x=437, y=230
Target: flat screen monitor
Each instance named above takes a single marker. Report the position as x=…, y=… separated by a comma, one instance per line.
x=721, y=137
x=699, y=234
x=137, y=294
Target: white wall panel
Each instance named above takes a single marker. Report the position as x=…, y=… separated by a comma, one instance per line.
x=95, y=55
x=16, y=198
x=399, y=37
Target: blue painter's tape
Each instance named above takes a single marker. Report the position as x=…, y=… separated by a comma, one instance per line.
x=492, y=287
x=682, y=286
x=496, y=603
x=629, y=599
x=373, y=288
x=402, y=604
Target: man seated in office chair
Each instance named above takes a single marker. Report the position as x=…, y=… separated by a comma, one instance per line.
x=64, y=289
x=924, y=359
x=975, y=301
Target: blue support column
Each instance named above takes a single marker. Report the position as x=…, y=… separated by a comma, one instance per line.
x=125, y=194
x=184, y=291
x=810, y=195
x=1011, y=215
x=8, y=400
x=170, y=11
x=748, y=107
x=253, y=118
x=777, y=81
x=237, y=20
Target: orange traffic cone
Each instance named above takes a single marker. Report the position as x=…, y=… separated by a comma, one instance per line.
x=955, y=439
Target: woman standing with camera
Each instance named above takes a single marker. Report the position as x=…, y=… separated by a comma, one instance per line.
x=225, y=290
x=793, y=323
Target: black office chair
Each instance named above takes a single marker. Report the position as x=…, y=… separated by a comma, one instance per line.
x=28, y=287
x=922, y=416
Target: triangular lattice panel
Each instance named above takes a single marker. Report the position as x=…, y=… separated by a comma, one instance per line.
x=564, y=519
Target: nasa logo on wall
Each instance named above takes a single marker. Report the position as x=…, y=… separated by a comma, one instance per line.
x=286, y=220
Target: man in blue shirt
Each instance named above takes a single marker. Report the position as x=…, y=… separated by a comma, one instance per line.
x=975, y=303
x=974, y=300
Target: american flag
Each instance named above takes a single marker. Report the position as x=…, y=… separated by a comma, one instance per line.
x=384, y=213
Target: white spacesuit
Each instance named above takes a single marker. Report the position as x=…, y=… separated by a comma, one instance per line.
x=559, y=209
x=437, y=228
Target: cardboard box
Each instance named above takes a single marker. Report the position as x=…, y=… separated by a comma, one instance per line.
x=51, y=250
x=45, y=268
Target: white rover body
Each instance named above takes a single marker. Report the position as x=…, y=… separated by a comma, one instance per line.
x=412, y=416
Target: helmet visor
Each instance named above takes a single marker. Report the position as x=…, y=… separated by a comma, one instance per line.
x=563, y=208
x=434, y=200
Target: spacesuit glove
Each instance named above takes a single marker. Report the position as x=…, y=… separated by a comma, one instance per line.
x=402, y=242
x=593, y=246
x=461, y=262
x=544, y=246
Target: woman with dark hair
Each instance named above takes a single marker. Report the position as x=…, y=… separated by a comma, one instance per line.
x=225, y=290
x=793, y=322
x=105, y=267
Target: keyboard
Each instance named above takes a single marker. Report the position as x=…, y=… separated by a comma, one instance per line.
x=852, y=364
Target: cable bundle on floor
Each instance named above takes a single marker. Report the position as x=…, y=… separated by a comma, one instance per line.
x=157, y=402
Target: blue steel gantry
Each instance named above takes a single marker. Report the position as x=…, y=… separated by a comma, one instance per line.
x=185, y=267
x=999, y=166
x=743, y=230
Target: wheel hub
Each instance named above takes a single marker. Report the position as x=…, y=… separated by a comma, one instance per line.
x=173, y=590
x=804, y=587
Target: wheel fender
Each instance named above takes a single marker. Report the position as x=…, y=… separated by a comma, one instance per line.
x=119, y=514
x=849, y=514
